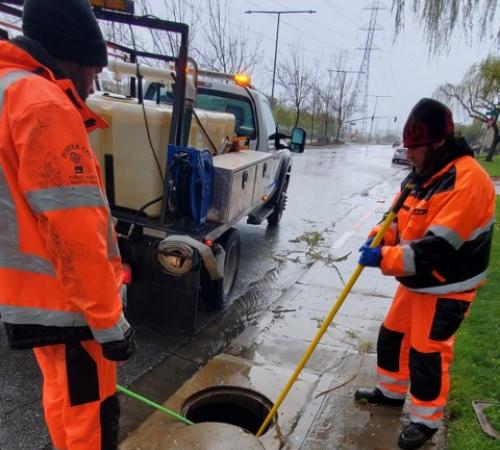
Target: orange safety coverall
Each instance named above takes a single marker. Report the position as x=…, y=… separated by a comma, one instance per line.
x=60, y=269
x=438, y=250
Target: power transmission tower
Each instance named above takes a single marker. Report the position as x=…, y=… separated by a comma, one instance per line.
x=363, y=79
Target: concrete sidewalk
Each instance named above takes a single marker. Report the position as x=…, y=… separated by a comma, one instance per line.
x=319, y=412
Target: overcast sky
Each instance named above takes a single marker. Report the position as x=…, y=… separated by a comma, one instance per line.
x=402, y=70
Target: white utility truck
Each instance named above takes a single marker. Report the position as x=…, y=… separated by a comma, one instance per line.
x=186, y=156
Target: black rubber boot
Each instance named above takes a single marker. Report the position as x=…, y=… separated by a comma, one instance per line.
x=415, y=435
x=375, y=396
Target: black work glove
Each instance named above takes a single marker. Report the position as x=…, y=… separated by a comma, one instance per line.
x=120, y=350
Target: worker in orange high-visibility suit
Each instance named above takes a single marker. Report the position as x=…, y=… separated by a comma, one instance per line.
x=60, y=269
x=438, y=250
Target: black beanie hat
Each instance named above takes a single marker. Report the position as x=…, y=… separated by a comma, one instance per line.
x=67, y=30
x=429, y=122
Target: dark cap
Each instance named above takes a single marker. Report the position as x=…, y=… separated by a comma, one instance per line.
x=67, y=29
x=429, y=121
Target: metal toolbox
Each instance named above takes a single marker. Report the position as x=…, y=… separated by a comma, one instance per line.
x=264, y=181
x=234, y=184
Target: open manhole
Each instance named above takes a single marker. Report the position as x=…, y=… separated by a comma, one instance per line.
x=234, y=405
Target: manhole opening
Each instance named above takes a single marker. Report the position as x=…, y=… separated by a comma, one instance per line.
x=235, y=405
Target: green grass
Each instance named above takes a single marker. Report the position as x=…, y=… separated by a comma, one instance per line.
x=493, y=167
x=493, y=414
x=475, y=373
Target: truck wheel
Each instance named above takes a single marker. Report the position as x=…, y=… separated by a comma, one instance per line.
x=275, y=218
x=220, y=290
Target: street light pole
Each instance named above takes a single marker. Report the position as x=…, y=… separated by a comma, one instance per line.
x=344, y=72
x=374, y=111
x=278, y=13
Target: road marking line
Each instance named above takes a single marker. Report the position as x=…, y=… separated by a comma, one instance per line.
x=342, y=240
x=344, y=237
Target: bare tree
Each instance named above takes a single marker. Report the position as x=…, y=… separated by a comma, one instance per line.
x=160, y=42
x=441, y=17
x=296, y=79
x=225, y=49
x=314, y=104
x=175, y=11
x=326, y=93
x=479, y=95
x=344, y=96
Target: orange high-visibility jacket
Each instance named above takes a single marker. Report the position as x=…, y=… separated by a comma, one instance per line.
x=59, y=260
x=442, y=239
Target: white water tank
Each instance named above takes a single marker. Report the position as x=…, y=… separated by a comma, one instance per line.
x=136, y=175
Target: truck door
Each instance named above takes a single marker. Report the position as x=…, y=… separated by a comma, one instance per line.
x=267, y=129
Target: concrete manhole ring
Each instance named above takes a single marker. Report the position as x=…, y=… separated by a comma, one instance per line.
x=232, y=405
x=210, y=436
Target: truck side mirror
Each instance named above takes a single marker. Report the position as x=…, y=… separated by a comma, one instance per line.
x=298, y=140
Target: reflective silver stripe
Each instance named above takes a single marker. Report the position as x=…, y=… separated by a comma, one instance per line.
x=448, y=234
x=425, y=411
x=56, y=198
x=112, y=334
x=481, y=230
x=39, y=316
x=112, y=245
x=10, y=255
x=9, y=79
x=461, y=286
x=408, y=260
x=390, y=380
x=427, y=422
x=390, y=394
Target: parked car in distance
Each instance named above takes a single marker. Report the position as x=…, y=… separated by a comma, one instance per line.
x=399, y=156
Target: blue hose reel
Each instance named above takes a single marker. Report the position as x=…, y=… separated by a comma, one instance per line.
x=193, y=174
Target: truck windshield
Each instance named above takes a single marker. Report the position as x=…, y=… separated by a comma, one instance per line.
x=212, y=100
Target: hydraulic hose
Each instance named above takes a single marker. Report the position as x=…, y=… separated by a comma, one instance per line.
x=340, y=300
x=148, y=402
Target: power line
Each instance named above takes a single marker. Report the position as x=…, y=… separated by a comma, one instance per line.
x=318, y=24
x=338, y=9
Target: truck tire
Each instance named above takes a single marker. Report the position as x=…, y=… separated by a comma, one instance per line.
x=219, y=290
x=275, y=218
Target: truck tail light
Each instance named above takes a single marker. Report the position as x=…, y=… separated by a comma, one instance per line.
x=127, y=274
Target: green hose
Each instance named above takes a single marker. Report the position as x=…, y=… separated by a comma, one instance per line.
x=153, y=404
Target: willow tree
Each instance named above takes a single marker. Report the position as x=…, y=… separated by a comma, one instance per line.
x=479, y=95
x=440, y=18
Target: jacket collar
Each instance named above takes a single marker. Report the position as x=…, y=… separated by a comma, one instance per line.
x=25, y=53
x=442, y=171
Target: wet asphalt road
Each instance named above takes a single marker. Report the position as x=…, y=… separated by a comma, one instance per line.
x=327, y=186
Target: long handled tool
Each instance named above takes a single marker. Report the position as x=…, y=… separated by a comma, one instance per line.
x=340, y=300
x=153, y=404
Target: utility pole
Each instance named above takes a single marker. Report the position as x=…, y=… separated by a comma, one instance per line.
x=374, y=111
x=344, y=74
x=278, y=13
x=362, y=83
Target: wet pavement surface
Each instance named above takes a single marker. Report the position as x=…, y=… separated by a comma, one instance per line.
x=319, y=411
x=335, y=196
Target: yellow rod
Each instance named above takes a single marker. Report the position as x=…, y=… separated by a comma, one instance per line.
x=312, y=346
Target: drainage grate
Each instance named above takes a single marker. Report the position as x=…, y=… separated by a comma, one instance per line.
x=234, y=405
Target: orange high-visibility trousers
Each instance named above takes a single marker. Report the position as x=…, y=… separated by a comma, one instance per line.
x=79, y=396
x=415, y=350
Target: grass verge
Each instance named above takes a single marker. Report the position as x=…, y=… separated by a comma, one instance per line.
x=475, y=373
x=493, y=167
